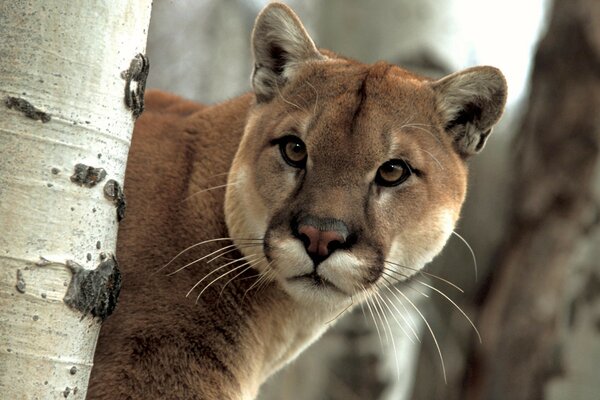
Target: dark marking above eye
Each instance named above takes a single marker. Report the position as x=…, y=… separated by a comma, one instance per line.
x=361, y=93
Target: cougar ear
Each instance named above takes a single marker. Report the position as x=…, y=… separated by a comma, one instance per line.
x=471, y=102
x=279, y=42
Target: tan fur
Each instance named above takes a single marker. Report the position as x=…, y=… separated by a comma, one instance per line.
x=353, y=118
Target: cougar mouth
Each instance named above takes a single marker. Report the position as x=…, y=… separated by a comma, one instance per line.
x=315, y=280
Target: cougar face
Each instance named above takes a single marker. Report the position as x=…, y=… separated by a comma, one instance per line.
x=352, y=174
x=337, y=185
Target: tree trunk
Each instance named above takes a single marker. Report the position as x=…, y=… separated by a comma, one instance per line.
x=556, y=173
x=65, y=126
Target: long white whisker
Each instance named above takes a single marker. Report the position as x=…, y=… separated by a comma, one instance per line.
x=392, y=333
x=428, y=274
x=377, y=307
x=363, y=311
x=368, y=301
x=241, y=246
x=209, y=189
x=290, y=103
x=221, y=276
x=316, y=97
x=382, y=316
x=287, y=101
x=261, y=277
x=251, y=277
x=218, y=278
x=221, y=174
x=270, y=274
x=231, y=279
x=269, y=277
x=215, y=270
x=420, y=126
x=437, y=345
x=341, y=312
x=250, y=264
x=457, y=307
x=196, y=245
x=470, y=249
x=433, y=157
x=404, y=282
x=201, y=258
x=406, y=318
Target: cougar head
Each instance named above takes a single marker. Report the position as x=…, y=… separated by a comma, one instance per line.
x=352, y=174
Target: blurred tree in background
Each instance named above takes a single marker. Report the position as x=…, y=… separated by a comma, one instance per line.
x=530, y=216
x=530, y=320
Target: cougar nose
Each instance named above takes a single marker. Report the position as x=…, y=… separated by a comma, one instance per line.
x=321, y=236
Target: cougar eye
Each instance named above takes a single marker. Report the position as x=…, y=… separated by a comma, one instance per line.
x=293, y=151
x=393, y=173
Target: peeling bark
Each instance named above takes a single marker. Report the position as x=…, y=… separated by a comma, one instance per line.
x=26, y=108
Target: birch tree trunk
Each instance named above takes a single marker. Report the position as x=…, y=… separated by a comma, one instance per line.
x=65, y=127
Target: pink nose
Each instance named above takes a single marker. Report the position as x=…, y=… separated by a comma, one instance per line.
x=320, y=243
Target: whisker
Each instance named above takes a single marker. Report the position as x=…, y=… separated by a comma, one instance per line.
x=251, y=276
x=420, y=127
x=363, y=311
x=286, y=100
x=215, y=270
x=201, y=258
x=270, y=275
x=267, y=276
x=404, y=282
x=219, y=277
x=251, y=265
x=261, y=277
x=341, y=312
x=433, y=157
x=290, y=103
x=316, y=97
x=209, y=189
x=242, y=246
x=391, y=333
x=380, y=316
x=457, y=307
x=215, y=175
x=385, y=334
x=437, y=290
x=407, y=320
x=367, y=301
x=470, y=249
x=230, y=280
x=426, y=273
x=229, y=249
x=196, y=245
x=428, y=327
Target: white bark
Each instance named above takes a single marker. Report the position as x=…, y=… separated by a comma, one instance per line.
x=64, y=58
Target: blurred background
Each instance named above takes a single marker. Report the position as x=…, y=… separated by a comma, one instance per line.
x=532, y=213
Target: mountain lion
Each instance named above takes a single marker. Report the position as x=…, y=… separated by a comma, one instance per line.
x=341, y=178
